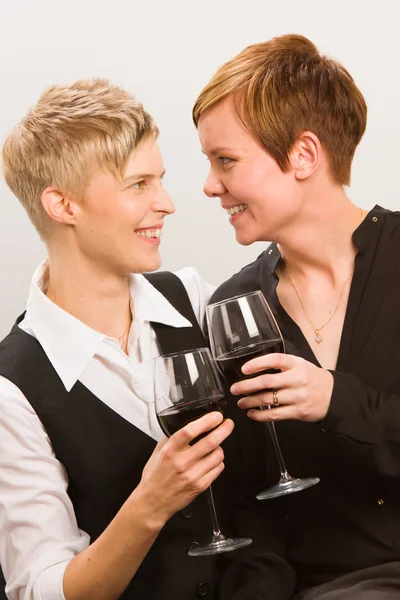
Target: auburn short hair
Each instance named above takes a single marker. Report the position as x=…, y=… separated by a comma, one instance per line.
x=284, y=87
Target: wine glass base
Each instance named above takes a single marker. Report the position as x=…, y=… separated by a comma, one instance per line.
x=219, y=546
x=288, y=486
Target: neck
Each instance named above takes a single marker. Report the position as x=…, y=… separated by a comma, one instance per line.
x=320, y=237
x=99, y=299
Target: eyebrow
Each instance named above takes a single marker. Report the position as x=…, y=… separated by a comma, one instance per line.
x=219, y=150
x=136, y=176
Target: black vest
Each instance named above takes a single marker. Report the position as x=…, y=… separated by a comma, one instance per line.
x=104, y=456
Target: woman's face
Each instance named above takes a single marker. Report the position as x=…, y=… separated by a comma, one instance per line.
x=119, y=223
x=259, y=197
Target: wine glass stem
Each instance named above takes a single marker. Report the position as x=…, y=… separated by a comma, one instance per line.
x=215, y=525
x=275, y=442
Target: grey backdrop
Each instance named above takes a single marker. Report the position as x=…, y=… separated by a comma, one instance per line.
x=165, y=51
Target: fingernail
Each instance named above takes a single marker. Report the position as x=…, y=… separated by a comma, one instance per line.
x=245, y=369
x=240, y=403
x=233, y=389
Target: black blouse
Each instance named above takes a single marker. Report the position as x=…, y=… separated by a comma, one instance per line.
x=351, y=519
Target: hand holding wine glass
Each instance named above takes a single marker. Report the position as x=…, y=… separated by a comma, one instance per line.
x=178, y=470
x=305, y=390
x=241, y=329
x=188, y=391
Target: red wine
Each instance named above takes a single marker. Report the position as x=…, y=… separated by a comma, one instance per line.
x=174, y=418
x=232, y=362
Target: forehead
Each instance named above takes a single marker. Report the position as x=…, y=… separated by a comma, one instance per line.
x=145, y=158
x=220, y=129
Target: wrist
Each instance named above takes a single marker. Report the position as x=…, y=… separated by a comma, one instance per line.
x=141, y=507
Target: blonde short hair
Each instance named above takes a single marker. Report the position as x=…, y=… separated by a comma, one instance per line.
x=284, y=87
x=72, y=131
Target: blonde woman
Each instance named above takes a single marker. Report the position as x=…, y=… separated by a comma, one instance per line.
x=93, y=499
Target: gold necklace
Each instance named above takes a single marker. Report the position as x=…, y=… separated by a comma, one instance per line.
x=317, y=331
x=123, y=339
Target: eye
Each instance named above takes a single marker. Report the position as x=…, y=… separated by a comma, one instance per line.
x=139, y=185
x=224, y=160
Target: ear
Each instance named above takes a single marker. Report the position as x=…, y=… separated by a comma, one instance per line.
x=305, y=155
x=59, y=206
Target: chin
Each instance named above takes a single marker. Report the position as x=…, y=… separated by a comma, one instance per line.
x=151, y=265
x=143, y=265
x=245, y=240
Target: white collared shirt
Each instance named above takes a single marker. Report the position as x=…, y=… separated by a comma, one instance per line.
x=39, y=534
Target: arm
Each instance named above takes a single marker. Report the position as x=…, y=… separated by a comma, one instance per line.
x=365, y=421
x=42, y=551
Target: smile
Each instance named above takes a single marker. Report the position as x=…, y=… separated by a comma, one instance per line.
x=149, y=233
x=234, y=210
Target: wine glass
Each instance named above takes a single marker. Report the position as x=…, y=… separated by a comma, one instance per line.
x=240, y=329
x=187, y=386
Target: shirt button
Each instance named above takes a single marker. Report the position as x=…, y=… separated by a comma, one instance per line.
x=323, y=430
x=201, y=590
x=187, y=512
x=270, y=251
x=192, y=546
x=374, y=219
x=380, y=501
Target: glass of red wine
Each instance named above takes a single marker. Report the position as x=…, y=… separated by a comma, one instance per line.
x=187, y=386
x=240, y=329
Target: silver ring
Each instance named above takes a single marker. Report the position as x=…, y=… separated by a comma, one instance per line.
x=275, y=398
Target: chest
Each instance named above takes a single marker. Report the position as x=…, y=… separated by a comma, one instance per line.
x=320, y=313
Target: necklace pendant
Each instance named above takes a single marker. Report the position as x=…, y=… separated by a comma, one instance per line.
x=318, y=338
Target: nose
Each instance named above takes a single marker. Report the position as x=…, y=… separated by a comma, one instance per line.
x=163, y=202
x=213, y=188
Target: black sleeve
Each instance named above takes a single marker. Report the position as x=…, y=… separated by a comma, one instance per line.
x=366, y=423
x=261, y=577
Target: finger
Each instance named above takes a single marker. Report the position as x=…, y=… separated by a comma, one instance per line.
x=280, y=413
x=184, y=436
x=277, y=361
x=162, y=442
x=265, y=399
x=208, y=463
x=266, y=381
x=211, y=441
x=211, y=476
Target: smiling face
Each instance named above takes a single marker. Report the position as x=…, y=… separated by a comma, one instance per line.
x=118, y=224
x=260, y=198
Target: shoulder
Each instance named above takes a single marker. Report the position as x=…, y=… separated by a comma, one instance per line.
x=247, y=279
x=195, y=285
x=389, y=239
x=18, y=416
x=198, y=290
x=392, y=219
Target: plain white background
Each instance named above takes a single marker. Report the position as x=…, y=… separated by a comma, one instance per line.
x=164, y=51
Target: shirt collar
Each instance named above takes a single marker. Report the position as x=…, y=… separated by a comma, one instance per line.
x=150, y=305
x=368, y=229
x=70, y=344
